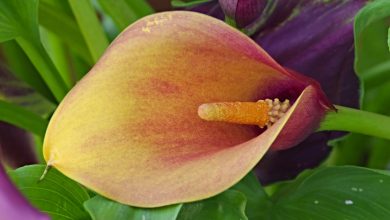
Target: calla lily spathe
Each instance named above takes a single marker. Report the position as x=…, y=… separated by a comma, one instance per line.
x=314, y=38
x=130, y=129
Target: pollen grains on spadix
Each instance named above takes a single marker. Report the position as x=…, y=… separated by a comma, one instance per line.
x=277, y=109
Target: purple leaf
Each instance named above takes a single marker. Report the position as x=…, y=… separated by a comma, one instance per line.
x=16, y=147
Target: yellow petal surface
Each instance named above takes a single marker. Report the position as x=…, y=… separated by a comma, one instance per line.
x=130, y=131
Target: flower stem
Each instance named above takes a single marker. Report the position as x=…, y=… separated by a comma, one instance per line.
x=358, y=121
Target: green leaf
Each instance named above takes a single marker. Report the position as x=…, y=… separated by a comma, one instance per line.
x=56, y=195
x=90, y=27
x=19, y=21
x=80, y=67
x=22, y=118
x=45, y=66
x=377, y=99
x=59, y=54
x=379, y=156
x=229, y=205
x=350, y=150
x=101, y=208
x=371, y=36
x=257, y=199
x=184, y=4
x=376, y=76
x=372, y=64
x=15, y=20
x=21, y=67
x=54, y=12
x=15, y=91
x=140, y=7
x=388, y=38
x=120, y=12
x=334, y=193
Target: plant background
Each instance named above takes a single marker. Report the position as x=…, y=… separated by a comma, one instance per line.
x=41, y=60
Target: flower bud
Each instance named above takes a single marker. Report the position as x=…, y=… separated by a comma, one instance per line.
x=244, y=12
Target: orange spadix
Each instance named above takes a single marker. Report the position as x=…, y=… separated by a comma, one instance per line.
x=261, y=113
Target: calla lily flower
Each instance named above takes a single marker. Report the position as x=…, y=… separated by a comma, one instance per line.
x=12, y=204
x=314, y=38
x=184, y=106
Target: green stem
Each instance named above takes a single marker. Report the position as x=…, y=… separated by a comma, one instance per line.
x=358, y=121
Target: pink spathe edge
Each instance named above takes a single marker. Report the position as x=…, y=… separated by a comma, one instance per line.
x=303, y=121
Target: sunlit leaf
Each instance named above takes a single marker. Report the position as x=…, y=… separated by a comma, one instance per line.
x=56, y=195
x=101, y=208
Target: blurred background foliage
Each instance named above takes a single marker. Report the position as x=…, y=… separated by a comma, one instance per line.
x=47, y=46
